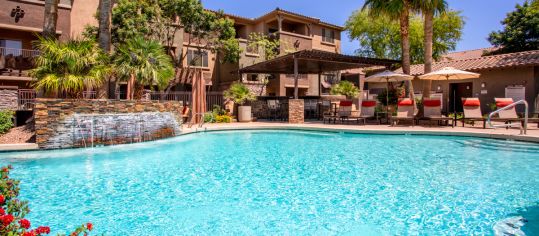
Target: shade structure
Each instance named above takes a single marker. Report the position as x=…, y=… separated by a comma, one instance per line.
x=198, y=98
x=449, y=73
x=387, y=77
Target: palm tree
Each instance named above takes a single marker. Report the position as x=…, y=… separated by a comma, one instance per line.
x=429, y=8
x=105, y=12
x=69, y=67
x=50, y=18
x=397, y=10
x=143, y=62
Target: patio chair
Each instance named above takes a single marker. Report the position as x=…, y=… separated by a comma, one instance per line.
x=432, y=111
x=273, y=109
x=185, y=114
x=510, y=114
x=368, y=109
x=472, y=111
x=405, y=111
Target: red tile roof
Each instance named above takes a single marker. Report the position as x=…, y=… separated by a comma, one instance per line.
x=468, y=54
x=517, y=59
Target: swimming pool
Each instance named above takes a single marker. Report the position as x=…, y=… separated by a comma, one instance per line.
x=284, y=182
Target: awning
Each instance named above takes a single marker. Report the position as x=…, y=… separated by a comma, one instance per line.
x=314, y=62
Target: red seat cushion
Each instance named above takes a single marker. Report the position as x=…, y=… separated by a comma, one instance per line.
x=368, y=103
x=405, y=102
x=471, y=102
x=345, y=103
x=184, y=110
x=432, y=103
x=503, y=102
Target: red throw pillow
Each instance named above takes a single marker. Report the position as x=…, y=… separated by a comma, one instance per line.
x=471, y=103
x=432, y=103
x=368, y=103
x=184, y=109
x=345, y=103
x=504, y=102
x=405, y=102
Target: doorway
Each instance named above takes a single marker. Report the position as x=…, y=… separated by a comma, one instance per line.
x=457, y=91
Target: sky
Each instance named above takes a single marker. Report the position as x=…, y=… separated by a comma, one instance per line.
x=481, y=16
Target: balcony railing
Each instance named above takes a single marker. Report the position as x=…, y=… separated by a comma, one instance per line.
x=14, y=61
x=18, y=52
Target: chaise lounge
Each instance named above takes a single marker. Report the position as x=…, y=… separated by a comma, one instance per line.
x=432, y=111
x=405, y=111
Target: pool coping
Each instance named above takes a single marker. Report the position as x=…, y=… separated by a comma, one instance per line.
x=395, y=131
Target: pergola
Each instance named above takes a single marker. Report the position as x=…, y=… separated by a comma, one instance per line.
x=313, y=62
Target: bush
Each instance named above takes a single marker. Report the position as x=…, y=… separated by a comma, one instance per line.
x=217, y=115
x=6, y=121
x=345, y=88
x=239, y=93
x=13, y=211
x=223, y=119
x=391, y=98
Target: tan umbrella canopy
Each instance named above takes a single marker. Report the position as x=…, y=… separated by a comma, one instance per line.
x=450, y=73
x=387, y=77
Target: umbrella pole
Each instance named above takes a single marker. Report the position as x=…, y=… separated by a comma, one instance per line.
x=387, y=99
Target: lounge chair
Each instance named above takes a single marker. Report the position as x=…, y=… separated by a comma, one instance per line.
x=432, y=111
x=472, y=111
x=510, y=114
x=405, y=111
x=368, y=109
x=185, y=114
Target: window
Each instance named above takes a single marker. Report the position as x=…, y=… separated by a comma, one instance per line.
x=197, y=58
x=328, y=36
x=12, y=47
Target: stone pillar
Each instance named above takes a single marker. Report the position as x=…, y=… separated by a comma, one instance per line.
x=8, y=98
x=295, y=111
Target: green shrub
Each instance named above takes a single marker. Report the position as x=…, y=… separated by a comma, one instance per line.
x=223, y=119
x=392, y=97
x=345, y=88
x=6, y=121
x=217, y=115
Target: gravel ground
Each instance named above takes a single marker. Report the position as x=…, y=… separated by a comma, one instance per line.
x=21, y=134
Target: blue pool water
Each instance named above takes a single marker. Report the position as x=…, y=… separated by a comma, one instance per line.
x=285, y=182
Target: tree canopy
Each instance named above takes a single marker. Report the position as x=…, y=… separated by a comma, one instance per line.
x=521, y=29
x=379, y=35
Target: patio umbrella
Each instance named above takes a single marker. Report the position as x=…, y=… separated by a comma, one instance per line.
x=198, y=102
x=450, y=73
x=387, y=77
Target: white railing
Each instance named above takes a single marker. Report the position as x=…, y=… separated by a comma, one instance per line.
x=523, y=128
x=18, y=52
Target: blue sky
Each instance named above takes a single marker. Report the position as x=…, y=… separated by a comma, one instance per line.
x=481, y=16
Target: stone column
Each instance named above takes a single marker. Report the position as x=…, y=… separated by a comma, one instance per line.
x=9, y=97
x=295, y=111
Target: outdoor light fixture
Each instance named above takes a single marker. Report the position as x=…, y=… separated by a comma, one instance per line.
x=483, y=84
x=439, y=88
x=17, y=13
x=467, y=87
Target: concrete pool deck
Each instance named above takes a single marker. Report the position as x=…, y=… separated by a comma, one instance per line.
x=477, y=131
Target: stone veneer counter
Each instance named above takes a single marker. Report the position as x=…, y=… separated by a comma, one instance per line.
x=67, y=123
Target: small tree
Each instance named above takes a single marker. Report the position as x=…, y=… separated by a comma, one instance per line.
x=345, y=88
x=69, y=67
x=239, y=93
x=6, y=120
x=144, y=63
x=521, y=30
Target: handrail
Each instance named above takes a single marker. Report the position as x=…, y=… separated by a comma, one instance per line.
x=201, y=116
x=523, y=128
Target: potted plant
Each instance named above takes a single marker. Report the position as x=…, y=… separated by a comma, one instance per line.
x=239, y=93
x=345, y=88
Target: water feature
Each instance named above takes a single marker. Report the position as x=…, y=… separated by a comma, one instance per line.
x=89, y=130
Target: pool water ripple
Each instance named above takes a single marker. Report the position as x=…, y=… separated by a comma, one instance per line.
x=282, y=182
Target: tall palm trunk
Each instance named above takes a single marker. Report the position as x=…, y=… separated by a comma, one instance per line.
x=105, y=11
x=404, y=20
x=428, y=28
x=131, y=87
x=50, y=18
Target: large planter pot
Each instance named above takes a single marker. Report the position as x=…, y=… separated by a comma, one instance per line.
x=244, y=114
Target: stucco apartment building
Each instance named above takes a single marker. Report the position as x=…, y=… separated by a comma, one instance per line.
x=294, y=32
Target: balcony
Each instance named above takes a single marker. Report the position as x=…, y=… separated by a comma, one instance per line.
x=16, y=62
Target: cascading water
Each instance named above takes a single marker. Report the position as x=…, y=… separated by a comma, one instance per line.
x=89, y=130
